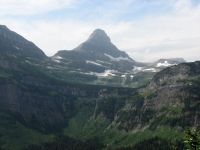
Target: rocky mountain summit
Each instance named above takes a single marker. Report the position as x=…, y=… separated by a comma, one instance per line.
x=97, y=52
x=99, y=43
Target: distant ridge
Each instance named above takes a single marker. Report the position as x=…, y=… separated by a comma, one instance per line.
x=170, y=61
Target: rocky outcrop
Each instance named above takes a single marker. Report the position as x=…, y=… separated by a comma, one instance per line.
x=171, y=76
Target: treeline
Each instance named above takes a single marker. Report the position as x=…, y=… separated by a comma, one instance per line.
x=155, y=143
x=67, y=143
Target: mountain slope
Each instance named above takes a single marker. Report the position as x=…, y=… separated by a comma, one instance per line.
x=162, y=110
x=118, y=116
x=13, y=44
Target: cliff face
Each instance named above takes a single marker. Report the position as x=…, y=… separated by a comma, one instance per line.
x=171, y=76
x=157, y=106
x=171, y=98
x=35, y=109
x=171, y=85
x=41, y=102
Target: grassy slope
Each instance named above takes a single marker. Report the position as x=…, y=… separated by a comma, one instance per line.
x=113, y=137
x=14, y=135
x=84, y=126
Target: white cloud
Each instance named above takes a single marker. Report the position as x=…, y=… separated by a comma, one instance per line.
x=30, y=7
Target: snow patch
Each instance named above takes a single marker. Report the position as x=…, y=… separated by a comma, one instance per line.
x=118, y=58
x=92, y=62
x=166, y=64
x=123, y=76
x=103, y=62
x=104, y=74
x=17, y=47
x=150, y=69
x=135, y=68
x=100, y=61
x=58, y=57
x=58, y=61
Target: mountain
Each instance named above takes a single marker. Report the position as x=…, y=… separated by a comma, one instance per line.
x=100, y=43
x=98, y=57
x=97, y=44
x=44, y=100
x=96, y=61
x=168, y=62
x=97, y=54
x=14, y=44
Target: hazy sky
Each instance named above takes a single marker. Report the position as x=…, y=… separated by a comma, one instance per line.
x=146, y=29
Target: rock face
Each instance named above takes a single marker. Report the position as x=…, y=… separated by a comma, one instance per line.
x=169, y=84
x=39, y=104
x=33, y=108
x=171, y=98
x=170, y=76
x=13, y=44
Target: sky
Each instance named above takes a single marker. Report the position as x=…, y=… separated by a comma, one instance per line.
x=146, y=30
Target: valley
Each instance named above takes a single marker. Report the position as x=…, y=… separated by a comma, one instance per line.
x=94, y=93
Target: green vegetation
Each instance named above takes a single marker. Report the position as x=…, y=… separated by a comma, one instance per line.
x=141, y=79
x=146, y=93
x=118, y=116
x=192, y=139
x=15, y=136
x=155, y=143
x=65, y=142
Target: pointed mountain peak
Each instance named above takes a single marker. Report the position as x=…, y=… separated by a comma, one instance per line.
x=99, y=35
x=99, y=32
